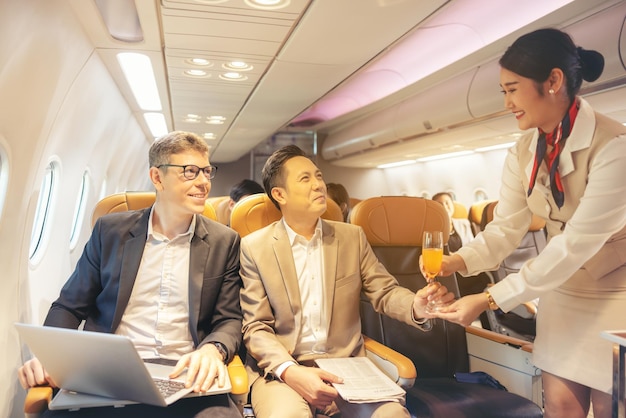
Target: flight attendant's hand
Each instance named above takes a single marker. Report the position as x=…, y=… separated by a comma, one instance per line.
x=33, y=374
x=428, y=293
x=203, y=365
x=451, y=264
x=465, y=310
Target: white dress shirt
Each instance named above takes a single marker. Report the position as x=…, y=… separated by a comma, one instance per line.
x=308, y=260
x=157, y=315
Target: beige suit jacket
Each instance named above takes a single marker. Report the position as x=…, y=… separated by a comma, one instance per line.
x=271, y=303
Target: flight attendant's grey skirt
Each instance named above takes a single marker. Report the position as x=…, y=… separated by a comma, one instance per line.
x=569, y=322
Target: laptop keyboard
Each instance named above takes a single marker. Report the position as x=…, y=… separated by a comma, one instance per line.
x=169, y=387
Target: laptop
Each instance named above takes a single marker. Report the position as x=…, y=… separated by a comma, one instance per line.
x=99, y=369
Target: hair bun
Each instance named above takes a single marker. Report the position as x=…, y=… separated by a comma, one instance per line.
x=591, y=62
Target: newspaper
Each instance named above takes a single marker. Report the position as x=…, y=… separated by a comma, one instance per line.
x=363, y=382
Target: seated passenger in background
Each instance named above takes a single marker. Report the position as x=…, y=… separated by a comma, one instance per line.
x=339, y=194
x=160, y=254
x=240, y=190
x=460, y=229
x=303, y=277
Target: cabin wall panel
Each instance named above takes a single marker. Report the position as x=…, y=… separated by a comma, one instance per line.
x=58, y=101
x=80, y=125
x=36, y=36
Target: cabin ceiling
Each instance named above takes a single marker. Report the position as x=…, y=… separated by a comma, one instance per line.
x=299, y=53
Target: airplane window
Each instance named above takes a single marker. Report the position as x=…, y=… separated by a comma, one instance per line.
x=4, y=178
x=480, y=194
x=43, y=210
x=79, y=210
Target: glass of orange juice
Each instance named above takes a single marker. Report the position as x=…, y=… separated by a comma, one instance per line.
x=432, y=254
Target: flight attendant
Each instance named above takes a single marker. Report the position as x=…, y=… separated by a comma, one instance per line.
x=569, y=170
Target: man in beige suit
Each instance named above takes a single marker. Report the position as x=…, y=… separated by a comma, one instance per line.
x=303, y=277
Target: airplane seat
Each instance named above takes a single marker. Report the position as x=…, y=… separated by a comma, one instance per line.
x=37, y=398
x=472, y=284
x=394, y=226
x=220, y=204
x=475, y=214
x=354, y=201
x=121, y=202
x=257, y=211
x=519, y=322
x=222, y=211
x=460, y=211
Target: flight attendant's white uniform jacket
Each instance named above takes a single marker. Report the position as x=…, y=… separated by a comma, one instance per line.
x=586, y=251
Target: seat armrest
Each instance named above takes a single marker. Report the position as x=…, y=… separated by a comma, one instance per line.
x=507, y=359
x=37, y=399
x=500, y=338
x=395, y=365
x=238, y=376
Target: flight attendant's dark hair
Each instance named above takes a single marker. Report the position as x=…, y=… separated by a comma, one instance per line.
x=535, y=54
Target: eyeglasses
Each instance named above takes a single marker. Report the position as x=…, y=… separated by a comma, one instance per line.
x=191, y=172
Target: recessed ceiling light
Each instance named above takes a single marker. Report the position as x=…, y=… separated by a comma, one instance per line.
x=215, y=120
x=201, y=62
x=196, y=73
x=237, y=66
x=268, y=4
x=191, y=118
x=233, y=76
x=209, y=135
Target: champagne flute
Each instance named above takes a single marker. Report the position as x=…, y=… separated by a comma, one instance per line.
x=432, y=255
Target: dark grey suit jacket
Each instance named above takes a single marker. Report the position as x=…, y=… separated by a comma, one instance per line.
x=99, y=288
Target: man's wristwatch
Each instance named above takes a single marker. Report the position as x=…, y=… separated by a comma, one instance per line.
x=221, y=348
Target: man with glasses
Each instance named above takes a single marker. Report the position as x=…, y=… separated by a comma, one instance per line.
x=166, y=277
